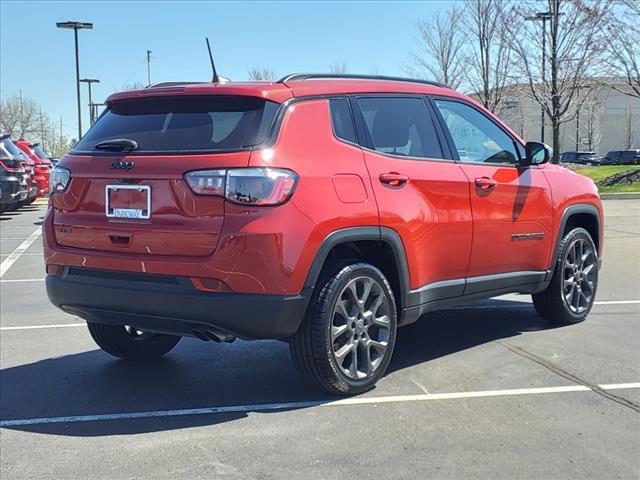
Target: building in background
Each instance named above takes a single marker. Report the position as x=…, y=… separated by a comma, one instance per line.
x=606, y=120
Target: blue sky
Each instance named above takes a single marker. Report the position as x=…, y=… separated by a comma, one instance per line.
x=38, y=58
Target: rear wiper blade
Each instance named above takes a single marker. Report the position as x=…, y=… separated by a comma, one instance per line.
x=117, y=145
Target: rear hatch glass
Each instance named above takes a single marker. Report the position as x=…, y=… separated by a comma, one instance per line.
x=185, y=124
x=10, y=155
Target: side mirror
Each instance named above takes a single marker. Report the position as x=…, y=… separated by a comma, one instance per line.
x=536, y=154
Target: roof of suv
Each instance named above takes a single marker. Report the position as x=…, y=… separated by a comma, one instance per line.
x=300, y=85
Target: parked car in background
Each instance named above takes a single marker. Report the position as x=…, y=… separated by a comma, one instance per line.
x=13, y=183
x=622, y=157
x=27, y=165
x=42, y=164
x=582, y=158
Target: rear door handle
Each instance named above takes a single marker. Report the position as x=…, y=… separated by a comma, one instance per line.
x=393, y=179
x=485, y=183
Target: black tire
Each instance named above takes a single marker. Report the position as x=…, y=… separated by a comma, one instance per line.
x=314, y=347
x=129, y=343
x=552, y=304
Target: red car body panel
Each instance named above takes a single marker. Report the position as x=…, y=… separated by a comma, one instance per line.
x=520, y=203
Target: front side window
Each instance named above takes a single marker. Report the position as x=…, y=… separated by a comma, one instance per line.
x=184, y=123
x=400, y=126
x=477, y=138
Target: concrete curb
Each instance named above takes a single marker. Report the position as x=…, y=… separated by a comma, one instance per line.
x=620, y=196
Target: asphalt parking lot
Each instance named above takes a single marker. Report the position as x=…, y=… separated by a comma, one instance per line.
x=485, y=391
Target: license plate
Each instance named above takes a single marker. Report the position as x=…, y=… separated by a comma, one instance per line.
x=128, y=201
x=127, y=213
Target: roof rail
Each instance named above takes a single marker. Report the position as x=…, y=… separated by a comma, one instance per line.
x=348, y=76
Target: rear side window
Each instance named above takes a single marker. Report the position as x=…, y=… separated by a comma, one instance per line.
x=184, y=123
x=342, y=120
x=400, y=126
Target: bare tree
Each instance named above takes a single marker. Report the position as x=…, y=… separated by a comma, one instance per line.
x=489, y=59
x=261, y=73
x=21, y=117
x=574, y=41
x=628, y=127
x=441, y=54
x=622, y=34
x=338, y=68
x=592, y=109
x=134, y=86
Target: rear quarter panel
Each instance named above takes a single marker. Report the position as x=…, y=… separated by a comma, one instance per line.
x=328, y=170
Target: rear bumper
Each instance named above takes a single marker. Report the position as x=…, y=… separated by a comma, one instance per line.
x=172, y=305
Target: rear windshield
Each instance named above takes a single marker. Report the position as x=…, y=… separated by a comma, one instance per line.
x=39, y=152
x=184, y=124
x=9, y=150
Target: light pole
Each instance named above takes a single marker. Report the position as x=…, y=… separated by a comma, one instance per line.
x=89, y=81
x=542, y=16
x=148, y=67
x=95, y=107
x=77, y=26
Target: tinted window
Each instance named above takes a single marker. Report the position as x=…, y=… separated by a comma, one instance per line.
x=342, y=120
x=400, y=126
x=39, y=152
x=476, y=137
x=184, y=123
x=9, y=149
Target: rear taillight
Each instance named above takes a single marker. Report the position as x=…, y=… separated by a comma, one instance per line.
x=207, y=182
x=59, y=179
x=245, y=186
x=10, y=166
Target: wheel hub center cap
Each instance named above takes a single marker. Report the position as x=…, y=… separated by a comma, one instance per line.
x=359, y=327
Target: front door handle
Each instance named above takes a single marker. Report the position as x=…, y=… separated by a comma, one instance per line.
x=393, y=179
x=485, y=183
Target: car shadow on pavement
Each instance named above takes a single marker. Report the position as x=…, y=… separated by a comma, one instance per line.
x=198, y=374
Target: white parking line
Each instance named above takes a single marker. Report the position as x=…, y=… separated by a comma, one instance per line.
x=618, y=302
x=22, y=280
x=15, y=255
x=264, y=407
x=36, y=327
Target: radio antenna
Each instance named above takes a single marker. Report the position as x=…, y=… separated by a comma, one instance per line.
x=215, y=78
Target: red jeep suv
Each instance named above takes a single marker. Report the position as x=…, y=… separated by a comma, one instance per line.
x=322, y=210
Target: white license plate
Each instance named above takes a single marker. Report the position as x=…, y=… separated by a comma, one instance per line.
x=128, y=196
x=127, y=213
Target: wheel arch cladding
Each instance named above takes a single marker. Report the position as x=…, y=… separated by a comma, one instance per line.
x=582, y=215
x=381, y=247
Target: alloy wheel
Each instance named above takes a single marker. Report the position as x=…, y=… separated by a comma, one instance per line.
x=360, y=328
x=579, y=276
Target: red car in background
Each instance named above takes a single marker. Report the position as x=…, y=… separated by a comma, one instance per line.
x=42, y=165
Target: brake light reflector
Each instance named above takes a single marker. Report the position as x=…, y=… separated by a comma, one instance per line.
x=245, y=186
x=207, y=182
x=10, y=166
